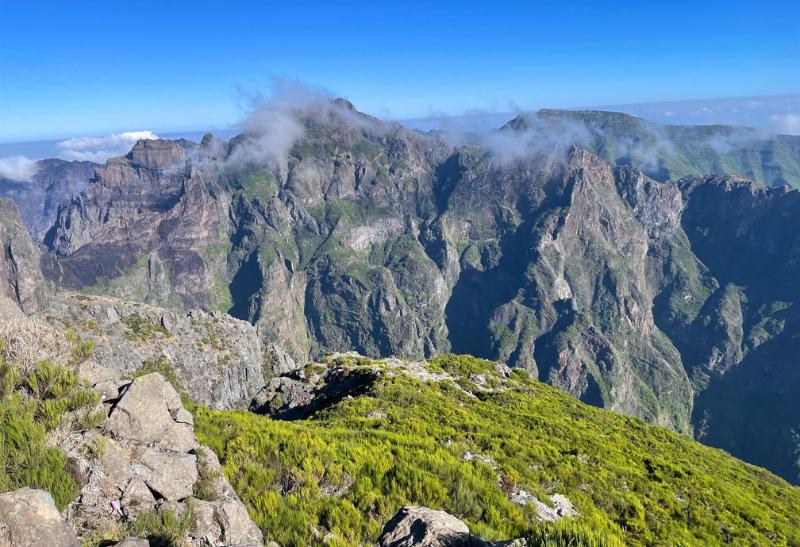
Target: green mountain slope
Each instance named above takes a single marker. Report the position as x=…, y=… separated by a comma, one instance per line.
x=667, y=152
x=468, y=436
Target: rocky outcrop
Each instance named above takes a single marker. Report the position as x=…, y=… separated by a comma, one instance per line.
x=560, y=506
x=217, y=360
x=301, y=393
x=29, y=518
x=145, y=459
x=423, y=527
x=21, y=279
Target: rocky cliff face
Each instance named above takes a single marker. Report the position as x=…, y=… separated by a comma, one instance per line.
x=217, y=360
x=365, y=236
x=21, y=280
x=54, y=183
x=140, y=227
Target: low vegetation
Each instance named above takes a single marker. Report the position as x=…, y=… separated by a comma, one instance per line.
x=348, y=468
x=35, y=400
x=143, y=328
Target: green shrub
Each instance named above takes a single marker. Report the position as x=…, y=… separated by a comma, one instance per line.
x=31, y=405
x=142, y=328
x=56, y=391
x=25, y=458
x=569, y=534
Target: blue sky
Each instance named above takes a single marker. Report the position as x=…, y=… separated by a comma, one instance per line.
x=90, y=68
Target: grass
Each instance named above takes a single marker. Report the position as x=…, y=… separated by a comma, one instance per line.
x=350, y=467
x=161, y=528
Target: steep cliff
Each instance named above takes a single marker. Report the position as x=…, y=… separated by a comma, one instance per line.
x=21, y=279
x=54, y=182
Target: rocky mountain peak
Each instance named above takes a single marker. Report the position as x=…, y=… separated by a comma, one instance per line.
x=156, y=155
x=344, y=103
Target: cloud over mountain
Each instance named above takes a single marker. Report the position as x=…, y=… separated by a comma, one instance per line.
x=18, y=168
x=99, y=149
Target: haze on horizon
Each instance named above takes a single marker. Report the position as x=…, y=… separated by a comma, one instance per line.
x=94, y=69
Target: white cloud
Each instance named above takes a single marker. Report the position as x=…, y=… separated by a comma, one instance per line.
x=788, y=124
x=100, y=149
x=18, y=168
x=276, y=122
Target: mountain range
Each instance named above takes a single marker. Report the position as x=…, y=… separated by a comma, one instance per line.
x=646, y=269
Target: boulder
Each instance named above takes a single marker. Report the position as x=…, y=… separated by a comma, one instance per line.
x=145, y=412
x=105, y=381
x=133, y=542
x=423, y=527
x=145, y=458
x=171, y=474
x=299, y=394
x=29, y=518
x=224, y=522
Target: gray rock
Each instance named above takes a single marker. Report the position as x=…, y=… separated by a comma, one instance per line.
x=29, y=518
x=21, y=279
x=144, y=414
x=423, y=527
x=225, y=523
x=137, y=498
x=171, y=474
x=278, y=361
x=217, y=360
x=105, y=381
x=133, y=542
x=561, y=506
x=297, y=395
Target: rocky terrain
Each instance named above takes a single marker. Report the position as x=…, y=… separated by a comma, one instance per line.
x=627, y=291
x=216, y=359
x=143, y=461
x=123, y=424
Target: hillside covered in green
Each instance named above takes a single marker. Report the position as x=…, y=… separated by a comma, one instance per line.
x=468, y=436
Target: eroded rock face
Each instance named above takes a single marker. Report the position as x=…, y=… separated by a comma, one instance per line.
x=147, y=217
x=145, y=458
x=29, y=518
x=21, y=279
x=218, y=360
